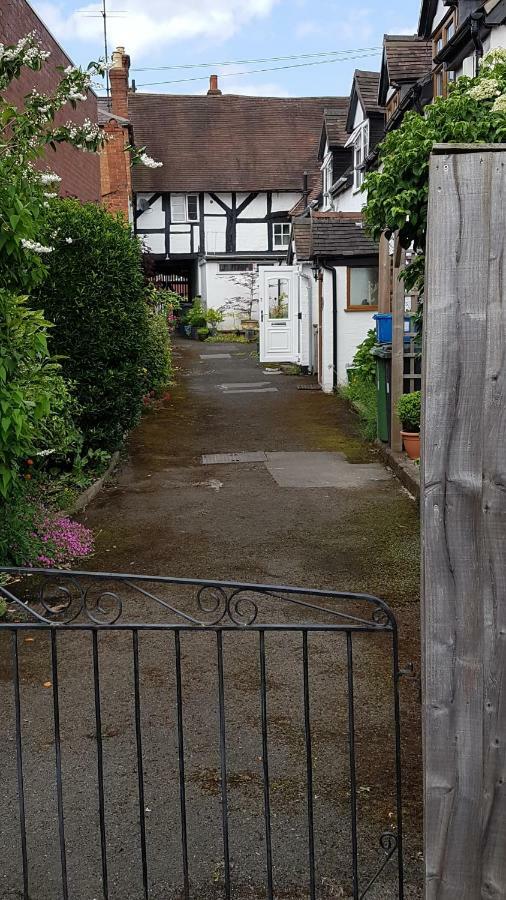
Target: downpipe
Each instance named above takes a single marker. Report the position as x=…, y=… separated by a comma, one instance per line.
x=332, y=271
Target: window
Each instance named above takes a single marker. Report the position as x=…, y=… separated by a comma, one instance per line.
x=360, y=144
x=327, y=181
x=363, y=288
x=278, y=298
x=236, y=267
x=442, y=77
x=184, y=208
x=281, y=234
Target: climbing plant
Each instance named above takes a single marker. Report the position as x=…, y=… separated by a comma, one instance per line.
x=397, y=192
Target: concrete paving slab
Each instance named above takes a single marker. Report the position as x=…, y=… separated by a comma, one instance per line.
x=229, y=385
x=307, y=470
x=268, y=390
x=216, y=356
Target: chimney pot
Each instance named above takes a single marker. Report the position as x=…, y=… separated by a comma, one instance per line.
x=213, y=85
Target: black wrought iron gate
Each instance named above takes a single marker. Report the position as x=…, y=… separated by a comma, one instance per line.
x=174, y=738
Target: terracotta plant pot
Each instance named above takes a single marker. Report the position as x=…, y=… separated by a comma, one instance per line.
x=411, y=441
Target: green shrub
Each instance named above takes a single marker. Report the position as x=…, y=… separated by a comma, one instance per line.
x=203, y=333
x=59, y=440
x=156, y=353
x=409, y=408
x=196, y=315
x=361, y=392
x=94, y=294
x=27, y=384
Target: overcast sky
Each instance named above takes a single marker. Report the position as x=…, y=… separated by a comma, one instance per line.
x=185, y=32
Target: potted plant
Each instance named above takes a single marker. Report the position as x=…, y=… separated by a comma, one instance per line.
x=408, y=411
x=196, y=318
x=202, y=333
x=213, y=319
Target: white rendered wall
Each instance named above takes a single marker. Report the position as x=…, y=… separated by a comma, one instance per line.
x=256, y=209
x=218, y=289
x=352, y=327
x=155, y=243
x=282, y=201
x=251, y=236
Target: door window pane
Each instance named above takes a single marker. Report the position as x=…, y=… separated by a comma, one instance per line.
x=278, y=298
x=363, y=288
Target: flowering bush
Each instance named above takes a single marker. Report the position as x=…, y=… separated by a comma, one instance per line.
x=397, y=193
x=63, y=540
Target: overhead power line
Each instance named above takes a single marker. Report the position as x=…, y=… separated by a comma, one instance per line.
x=319, y=62
x=243, y=62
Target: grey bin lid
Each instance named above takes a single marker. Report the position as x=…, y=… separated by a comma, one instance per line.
x=384, y=351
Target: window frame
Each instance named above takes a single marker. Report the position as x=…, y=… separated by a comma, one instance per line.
x=351, y=307
x=234, y=268
x=186, y=220
x=327, y=180
x=281, y=225
x=359, y=142
x=444, y=32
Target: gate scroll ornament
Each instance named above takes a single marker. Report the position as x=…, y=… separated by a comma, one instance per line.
x=53, y=601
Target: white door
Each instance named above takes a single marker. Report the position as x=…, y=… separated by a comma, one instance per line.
x=279, y=314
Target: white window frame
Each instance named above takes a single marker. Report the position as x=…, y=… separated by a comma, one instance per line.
x=359, y=142
x=282, y=226
x=326, y=170
x=175, y=216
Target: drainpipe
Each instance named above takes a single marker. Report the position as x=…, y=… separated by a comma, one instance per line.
x=477, y=19
x=305, y=189
x=333, y=272
x=309, y=282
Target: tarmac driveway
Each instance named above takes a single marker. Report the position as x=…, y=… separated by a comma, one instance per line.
x=242, y=474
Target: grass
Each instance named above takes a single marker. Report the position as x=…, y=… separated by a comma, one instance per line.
x=362, y=396
x=226, y=337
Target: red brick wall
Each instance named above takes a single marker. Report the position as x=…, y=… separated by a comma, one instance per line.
x=115, y=169
x=80, y=172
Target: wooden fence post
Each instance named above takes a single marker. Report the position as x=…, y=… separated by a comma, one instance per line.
x=464, y=526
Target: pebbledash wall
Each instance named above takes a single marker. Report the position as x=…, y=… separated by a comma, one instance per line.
x=80, y=172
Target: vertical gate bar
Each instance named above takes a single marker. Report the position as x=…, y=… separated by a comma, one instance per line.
x=398, y=757
x=57, y=746
x=140, y=767
x=100, y=763
x=223, y=759
x=182, y=785
x=19, y=763
x=309, y=769
x=265, y=766
x=353, y=773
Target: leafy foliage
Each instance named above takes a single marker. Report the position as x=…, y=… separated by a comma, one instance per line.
x=397, y=193
x=157, y=357
x=409, y=408
x=361, y=392
x=94, y=293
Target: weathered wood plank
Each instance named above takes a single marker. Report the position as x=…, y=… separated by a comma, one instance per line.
x=384, y=287
x=397, y=378
x=463, y=491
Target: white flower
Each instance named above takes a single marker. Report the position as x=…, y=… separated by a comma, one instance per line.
x=485, y=89
x=35, y=247
x=49, y=178
x=68, y=240
x=500, y=104
x=75, y=95
x=50, y=196
x=492, y=57
x=147, y=161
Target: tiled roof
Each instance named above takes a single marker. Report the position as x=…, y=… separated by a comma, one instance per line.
x=105, y=115
x=407, y=57
x=334, y=123
x=313, y=194
x=367, y=84
x=302, y=239
x=340, y=234
x=226, y=142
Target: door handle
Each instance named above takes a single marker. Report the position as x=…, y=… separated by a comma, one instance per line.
x=262, y=315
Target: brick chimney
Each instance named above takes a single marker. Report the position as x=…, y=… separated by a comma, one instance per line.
x=118, y=78
x=213, y=86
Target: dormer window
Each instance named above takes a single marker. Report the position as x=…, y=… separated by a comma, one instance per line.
x=327, y=176
x=359, y=142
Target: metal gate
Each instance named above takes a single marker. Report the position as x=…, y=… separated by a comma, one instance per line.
x=177, y=738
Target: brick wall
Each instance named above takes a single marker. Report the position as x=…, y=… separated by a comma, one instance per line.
x=115, y=169
x=80, y=172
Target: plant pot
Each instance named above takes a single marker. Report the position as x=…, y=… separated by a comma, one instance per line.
x=411, y=441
